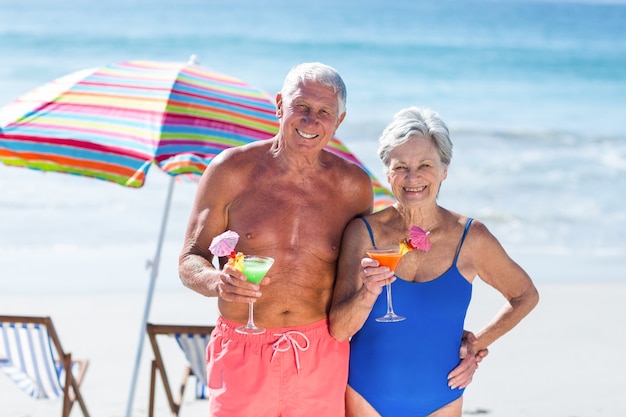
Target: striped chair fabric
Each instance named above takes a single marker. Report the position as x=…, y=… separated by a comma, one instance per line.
x=193, y=341
x=29, y=360
x=32, y=356
x=194, y=347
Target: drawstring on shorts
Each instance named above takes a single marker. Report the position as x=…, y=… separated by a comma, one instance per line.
x=287, y=341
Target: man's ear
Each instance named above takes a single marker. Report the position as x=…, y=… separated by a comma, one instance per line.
x=279, y=105
x=343, y=115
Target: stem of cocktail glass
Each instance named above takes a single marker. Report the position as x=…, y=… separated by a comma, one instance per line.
x=250, y=315
x=389, y=304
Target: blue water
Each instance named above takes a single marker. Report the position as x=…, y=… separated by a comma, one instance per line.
x=534, y=93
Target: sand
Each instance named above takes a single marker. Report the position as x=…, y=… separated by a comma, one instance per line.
x=564, y=360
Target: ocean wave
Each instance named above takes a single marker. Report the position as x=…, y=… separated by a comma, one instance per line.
x=561, y=137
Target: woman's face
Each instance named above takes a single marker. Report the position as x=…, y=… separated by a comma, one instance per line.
x=415, y=171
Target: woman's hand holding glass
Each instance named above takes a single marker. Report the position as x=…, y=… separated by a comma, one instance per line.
x=374, y=276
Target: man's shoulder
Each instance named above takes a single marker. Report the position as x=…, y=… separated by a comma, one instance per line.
x=238, y=154
x=350, y=167
x=352, y=185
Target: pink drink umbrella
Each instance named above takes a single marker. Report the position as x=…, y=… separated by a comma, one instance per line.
x=418, y=239
x=224, y=244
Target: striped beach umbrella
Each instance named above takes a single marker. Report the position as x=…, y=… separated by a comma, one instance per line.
x=114, y=122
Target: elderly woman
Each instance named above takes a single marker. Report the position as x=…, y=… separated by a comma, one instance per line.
x=403, y=368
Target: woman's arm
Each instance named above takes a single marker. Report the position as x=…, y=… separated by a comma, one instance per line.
x=359, y=282
x=495, y=267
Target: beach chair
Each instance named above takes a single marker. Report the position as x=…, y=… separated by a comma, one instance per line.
x=32, y=356
x=193, y=341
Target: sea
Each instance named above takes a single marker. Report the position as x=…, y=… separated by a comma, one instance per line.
x=533, y=91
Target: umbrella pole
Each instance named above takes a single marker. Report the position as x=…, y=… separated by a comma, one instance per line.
x=154, y=271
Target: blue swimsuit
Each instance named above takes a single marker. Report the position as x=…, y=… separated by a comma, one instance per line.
x=401, y=368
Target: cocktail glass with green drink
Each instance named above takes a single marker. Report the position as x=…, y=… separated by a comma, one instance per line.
x=255, y=268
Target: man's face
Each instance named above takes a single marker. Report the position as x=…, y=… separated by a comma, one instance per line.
x=309, y=116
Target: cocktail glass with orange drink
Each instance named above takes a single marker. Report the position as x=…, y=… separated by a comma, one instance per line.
x=389, y=256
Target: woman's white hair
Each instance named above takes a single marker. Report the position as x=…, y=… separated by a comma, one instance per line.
x=415, y=121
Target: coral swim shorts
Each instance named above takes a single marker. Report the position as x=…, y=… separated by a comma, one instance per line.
x=288, y=372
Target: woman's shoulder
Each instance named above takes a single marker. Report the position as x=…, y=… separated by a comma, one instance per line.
x=381, y=216
x=369, y=221
x=462, y=220
x=478, y=234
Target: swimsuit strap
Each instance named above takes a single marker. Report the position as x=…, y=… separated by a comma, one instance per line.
x=369, y=229
x=467, y=225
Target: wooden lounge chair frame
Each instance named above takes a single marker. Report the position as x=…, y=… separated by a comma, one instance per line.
x=72, y=382
x=153, y=331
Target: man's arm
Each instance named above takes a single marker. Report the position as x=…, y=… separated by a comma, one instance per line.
x=463, y=374
x=208, y=218
x=195, y=268
x=218, y=187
